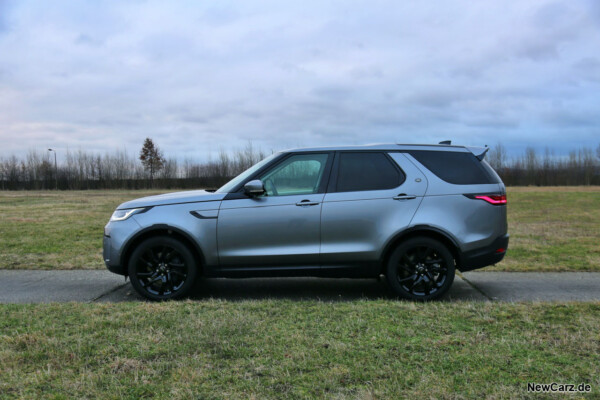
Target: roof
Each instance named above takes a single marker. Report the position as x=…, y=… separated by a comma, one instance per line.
x=479, y=152
x=383, y=146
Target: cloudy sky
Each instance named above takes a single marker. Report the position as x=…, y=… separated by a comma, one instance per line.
x=200, y=76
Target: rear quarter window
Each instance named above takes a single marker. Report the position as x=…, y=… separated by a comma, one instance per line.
x=491, y=172
x=455, y=167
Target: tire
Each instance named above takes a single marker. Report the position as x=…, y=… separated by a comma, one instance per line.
x=162, y=268
x=421, y=269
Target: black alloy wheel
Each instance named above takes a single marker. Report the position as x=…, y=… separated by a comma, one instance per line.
x=162, y=268
x=421, y=269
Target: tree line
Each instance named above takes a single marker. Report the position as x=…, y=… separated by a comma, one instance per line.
x=80, y=169
x=580, y=167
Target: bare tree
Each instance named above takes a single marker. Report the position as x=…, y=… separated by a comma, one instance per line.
x=531, y=164
x=586, y=163
x=547, y=167
x=2, y=173
x=151, y=158
x=497, y=157
x=118, y=170
x=169, y=172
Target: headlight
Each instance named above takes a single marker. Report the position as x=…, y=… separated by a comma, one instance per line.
x=121, y=215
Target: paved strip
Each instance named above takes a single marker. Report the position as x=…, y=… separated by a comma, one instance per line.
x=532, y=286
x=30, y=286
x=324, y=289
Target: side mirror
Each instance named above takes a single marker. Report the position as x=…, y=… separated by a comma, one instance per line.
x=254, y=188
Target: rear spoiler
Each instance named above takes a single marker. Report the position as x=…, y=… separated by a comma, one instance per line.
x=478, y=152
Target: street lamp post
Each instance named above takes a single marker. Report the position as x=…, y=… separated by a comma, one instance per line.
x=55, y=168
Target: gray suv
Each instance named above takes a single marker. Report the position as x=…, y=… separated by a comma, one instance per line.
x=413, y=213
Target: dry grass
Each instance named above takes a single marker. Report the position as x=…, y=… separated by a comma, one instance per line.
x=56, y=230
x=553, y=189
x=552, y=228
x=288, y=349
x=261, y=349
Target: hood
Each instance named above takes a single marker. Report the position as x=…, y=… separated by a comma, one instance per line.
x=191, y=196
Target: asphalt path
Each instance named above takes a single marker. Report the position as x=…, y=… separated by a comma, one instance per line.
x=31, y=286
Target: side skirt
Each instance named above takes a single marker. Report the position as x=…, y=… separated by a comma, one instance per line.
x=362, y=270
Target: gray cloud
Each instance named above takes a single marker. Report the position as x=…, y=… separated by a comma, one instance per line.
x=200, y=77
x=587, y=69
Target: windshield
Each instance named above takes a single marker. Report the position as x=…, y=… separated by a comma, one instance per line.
x=228, y=187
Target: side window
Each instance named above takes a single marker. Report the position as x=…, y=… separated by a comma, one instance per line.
x=458, y=168
x=367, y=171
x=298, y=174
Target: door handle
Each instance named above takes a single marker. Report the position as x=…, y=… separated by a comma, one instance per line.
x=307, y=203
x=404, y=196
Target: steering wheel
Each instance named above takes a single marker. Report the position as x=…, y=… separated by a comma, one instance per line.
x=270, y=187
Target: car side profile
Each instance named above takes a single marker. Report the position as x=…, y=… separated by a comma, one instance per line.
x=414, y=213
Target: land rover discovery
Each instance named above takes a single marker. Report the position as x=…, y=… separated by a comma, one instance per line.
x=414, y=213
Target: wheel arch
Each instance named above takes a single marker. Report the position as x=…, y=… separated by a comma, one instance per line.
x=426, y=231
x=161, y=230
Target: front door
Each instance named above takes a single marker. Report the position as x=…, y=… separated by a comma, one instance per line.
x=282, y=227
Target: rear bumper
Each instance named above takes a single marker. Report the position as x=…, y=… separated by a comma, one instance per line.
x=484, y=256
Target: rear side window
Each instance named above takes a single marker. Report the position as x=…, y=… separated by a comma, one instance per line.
x=367, y=171
x=491, y=172
x=454, y=167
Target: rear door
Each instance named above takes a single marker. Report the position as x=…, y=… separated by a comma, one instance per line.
x=371, y=196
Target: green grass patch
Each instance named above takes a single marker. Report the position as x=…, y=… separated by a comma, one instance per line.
x=552, y=229
x=56, y=230
x=295, y=349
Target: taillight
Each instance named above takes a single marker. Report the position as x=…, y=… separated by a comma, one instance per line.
x=495, y=199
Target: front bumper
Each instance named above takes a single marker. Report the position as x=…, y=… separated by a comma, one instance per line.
x=116, y=234
x=484, y=256
x=111, y=257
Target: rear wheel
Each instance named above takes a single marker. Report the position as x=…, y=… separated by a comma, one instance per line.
x=162, y=268
x=420, y=268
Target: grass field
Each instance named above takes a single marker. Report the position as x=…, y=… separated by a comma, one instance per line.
x=552, y=229
x=362, y=349
x=56, y=230
x=295, y=349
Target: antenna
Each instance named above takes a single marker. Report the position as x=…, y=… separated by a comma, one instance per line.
x=448, y=142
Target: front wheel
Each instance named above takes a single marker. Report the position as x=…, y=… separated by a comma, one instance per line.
x=162, y=268
x=420, y=268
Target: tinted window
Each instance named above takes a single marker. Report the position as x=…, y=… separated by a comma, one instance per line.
x=367, y=171
x=491, y=172
x=453, y=167
x=298, y=174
